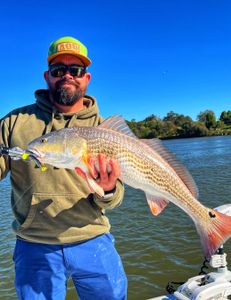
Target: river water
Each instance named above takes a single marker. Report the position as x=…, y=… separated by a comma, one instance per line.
x=154, y=250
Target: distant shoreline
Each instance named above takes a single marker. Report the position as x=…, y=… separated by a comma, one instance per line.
x=176, y=126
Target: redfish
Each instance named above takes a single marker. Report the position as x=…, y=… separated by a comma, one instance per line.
x=144, y=164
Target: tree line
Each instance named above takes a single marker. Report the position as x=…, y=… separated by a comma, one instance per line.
x=175, y=125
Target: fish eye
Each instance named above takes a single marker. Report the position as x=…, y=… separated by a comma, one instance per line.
x=43, y=140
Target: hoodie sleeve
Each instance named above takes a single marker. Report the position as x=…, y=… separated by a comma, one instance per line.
x=4, y=134
x=112, y=199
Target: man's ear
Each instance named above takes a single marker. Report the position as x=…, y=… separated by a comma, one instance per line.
x=45, y=75
x=88, y=77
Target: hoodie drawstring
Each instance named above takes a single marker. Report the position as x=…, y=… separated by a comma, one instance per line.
x=49, y=126
x=71, y=122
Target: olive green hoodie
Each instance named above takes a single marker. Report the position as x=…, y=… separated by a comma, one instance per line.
x=55, y=206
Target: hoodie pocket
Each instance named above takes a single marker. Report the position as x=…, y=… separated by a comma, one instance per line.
x=52, y=212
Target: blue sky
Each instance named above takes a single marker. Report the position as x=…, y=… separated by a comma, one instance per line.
x=149, y=56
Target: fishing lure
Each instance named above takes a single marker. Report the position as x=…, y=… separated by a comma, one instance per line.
x=17, y=153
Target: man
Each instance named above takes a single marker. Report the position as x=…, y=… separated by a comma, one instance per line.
x=61, y=227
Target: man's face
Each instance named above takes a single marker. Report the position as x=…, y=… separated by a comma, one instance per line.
x=67, y=89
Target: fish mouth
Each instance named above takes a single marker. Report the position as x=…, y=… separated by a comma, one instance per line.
x=36, y=156
x=33, y=152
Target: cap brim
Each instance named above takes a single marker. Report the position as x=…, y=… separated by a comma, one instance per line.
x=85, y=60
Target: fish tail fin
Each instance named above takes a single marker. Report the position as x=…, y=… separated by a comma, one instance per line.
x=215, y=232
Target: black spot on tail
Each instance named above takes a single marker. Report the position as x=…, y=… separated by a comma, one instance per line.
x=212, y=215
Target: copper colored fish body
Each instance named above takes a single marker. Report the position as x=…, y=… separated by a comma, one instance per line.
x=145, y=164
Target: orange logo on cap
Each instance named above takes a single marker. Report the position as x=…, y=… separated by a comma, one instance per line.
x=68, y=47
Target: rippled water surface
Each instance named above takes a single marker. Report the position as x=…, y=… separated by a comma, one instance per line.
x=154, y=250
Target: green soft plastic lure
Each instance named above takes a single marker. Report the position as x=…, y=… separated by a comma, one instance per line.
x=26, y=155
x=17, y=153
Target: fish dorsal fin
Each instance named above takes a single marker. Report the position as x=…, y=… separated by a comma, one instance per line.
x=117, y=123
x=178, y=166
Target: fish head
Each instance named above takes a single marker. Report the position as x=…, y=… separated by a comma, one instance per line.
x=59, y=149
x=63, y=149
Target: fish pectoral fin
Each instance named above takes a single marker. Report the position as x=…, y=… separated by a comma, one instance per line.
x=94, y=187
x=156, y=204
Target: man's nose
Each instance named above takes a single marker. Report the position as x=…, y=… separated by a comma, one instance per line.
x=67, y=75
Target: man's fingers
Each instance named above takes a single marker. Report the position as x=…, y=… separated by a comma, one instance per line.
x=115, y=169
x=108, y=172
x=103, y=167
x=92, y=168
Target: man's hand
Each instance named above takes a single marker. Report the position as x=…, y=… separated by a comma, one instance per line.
x=106, y=173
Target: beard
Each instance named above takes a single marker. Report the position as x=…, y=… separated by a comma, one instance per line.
x=65, y=95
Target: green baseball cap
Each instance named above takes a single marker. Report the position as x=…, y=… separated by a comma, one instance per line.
x=68, y=45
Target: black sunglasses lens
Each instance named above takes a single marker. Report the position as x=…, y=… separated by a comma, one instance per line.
x=76, y=71
x=58, y=70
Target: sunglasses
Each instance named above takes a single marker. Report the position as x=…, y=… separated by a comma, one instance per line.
x=59, y=70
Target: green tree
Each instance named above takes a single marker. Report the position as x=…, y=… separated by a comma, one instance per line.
x=226, y=117
x=169, y=129
x=208, y=118
x=199, y=129
x=177, y=119
x=171, y=117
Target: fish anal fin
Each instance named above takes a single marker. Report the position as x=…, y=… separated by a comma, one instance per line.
x=156, y=204
x=175, y=164
x=117, y=123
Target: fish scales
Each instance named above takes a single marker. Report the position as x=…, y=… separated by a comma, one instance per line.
x=137, y=164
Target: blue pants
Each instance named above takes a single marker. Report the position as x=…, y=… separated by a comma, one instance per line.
x=42, y=271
